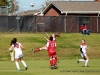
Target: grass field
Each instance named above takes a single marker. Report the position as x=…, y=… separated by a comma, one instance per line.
x=41, y=67
x=67, y=51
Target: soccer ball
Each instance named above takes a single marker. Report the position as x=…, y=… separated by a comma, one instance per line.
x=32, y=4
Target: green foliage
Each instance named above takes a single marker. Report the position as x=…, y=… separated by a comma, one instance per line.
x=3, y=2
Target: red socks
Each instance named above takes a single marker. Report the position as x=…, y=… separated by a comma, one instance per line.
x=37, y=50
x=53, y=62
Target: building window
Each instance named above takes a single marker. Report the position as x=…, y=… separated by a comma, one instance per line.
x=83, y=19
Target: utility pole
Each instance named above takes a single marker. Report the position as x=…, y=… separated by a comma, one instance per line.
x=14, y=8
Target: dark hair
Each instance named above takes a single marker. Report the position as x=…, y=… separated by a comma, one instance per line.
x=11, y=42
x=83, y=24
x=14, y=41
x=51, y=38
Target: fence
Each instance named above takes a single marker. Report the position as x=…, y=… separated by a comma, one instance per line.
x=3, y=10
x=48, y=24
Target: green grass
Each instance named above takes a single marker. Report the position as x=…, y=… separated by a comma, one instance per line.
x=67, y=45
x=41, y=67
x=67, y=51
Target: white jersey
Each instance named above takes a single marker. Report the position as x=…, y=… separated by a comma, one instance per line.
x=17, y=49
x=84, y=48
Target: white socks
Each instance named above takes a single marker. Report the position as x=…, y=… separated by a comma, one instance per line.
x=86, y=62
x=17, y=65
x=81, y=60
x=24, y=63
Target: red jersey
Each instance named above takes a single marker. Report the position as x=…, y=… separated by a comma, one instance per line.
x=51, y=45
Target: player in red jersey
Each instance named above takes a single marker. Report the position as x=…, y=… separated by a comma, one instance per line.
x=45, y=48
x=51, y=47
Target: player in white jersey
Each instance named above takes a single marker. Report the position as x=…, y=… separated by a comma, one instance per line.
x=11, y=51
x=17, y=47
x=83, y=48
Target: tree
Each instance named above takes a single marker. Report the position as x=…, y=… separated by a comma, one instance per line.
x=12, y=7
x=3, y=2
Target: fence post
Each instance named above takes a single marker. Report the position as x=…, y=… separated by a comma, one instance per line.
x=18, y=26
x=97, y=21
x=65, y=22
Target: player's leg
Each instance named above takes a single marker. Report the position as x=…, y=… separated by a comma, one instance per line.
x=39, y=49
x=58, y=35
x=51, y=60
x=54, y=58
x=54, y=62
x=23, y=62
x=86, y=60
x=17, y=64
x=12, y=56
x=81, y=60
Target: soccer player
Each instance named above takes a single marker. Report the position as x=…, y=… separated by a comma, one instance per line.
x=11, y=51
x=45, y=47
x=17, y=47
x=83, y=48
x=51, y=47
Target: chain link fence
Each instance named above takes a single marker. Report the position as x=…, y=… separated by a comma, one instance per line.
x=48, y=24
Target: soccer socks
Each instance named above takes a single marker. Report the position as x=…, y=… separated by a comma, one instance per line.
x=51, y=62
x=17, y=65
x=81, y=60
x=54, y=61
x=37, y=50
x=86, y=62
x=23, y=62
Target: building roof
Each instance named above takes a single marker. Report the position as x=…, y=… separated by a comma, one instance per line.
x=76, y=6
x=27, y=13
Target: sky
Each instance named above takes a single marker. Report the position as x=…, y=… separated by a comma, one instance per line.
x=24, y=5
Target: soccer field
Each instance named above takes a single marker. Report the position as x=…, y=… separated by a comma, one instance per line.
x=41, y=67
x=68, y=45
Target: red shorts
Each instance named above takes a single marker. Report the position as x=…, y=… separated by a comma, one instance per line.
x=51, y=53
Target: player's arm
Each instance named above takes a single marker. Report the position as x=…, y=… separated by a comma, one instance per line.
x=11, y=48
x=81, y=49
x=46, y=38
x=21, y=46
x=87, y=48
x=47, y=35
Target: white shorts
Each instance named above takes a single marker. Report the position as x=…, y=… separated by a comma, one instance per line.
x=18, y=55
x=83, y=54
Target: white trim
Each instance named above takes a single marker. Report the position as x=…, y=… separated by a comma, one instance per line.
x=85, y=12
x=54, y=5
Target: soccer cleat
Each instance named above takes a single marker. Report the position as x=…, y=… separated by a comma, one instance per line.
x=18, y=70
x=55, y=67
x=52, y=67
x=86, y=66
x=78, y=61
x=33, y=50
x=26, y=68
